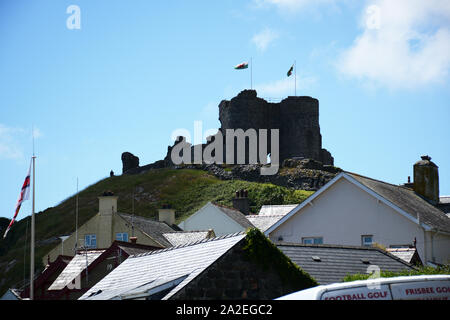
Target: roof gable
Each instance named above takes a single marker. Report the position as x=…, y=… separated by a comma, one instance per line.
x=403, y=200
x=154, y=229
x=171, y=263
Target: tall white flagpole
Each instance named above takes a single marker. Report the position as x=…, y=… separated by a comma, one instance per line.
x=295, y=76
x=32, y=225
x=32, y=234
x=76, y=220
x=251, y=73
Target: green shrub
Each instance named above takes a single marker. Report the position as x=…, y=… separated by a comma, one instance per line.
x=263, y=252
x=409, y=272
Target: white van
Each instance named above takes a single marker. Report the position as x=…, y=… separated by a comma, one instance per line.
x=425, y=287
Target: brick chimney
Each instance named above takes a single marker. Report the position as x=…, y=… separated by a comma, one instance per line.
x=167, y=214
x=426, y=180
x=241, y=202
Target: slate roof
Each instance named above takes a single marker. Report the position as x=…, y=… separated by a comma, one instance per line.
x=148, y=271
x=155, y=229
x=236, y=215
x=74, y=268
x=407, y=200
x=181, y=237
x=406, y=254
x=338, y=261
x=273, y=210
x=133, y=248
x=263, y=222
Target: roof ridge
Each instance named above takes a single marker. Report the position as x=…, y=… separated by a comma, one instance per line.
x=369, y=178
x=226, y=207
x=186, y=231
x=188, y=244
x=335, y=246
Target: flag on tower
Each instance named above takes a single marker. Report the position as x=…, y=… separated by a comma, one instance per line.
x=24, y=195
x=243, y=65
x=289, y=73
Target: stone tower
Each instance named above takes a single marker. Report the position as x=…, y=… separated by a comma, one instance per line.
x=297, y=118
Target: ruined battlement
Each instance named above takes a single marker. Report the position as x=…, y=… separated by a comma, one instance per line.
x=297, y=118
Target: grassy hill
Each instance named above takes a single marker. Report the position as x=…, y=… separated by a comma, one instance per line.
x=186, y=190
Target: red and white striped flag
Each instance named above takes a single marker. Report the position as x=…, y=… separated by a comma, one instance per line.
x=24, y=195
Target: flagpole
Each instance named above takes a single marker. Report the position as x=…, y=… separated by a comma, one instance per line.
x=76, y=220
x=32, y=234
x=295, y=76
x=251, y=73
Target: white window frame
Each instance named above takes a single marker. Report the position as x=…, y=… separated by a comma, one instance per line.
x=312, y=239
x=121, y=235
x=364, y=243
x=88, y=239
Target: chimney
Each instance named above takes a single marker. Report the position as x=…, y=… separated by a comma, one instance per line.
x=241, y=202
x=107, y=203
x=426, y=180
x=167, y=215
x=133, y=239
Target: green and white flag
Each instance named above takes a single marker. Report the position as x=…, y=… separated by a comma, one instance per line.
x=289, y=73
x=243, y=65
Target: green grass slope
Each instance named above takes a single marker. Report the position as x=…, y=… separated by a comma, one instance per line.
x=185, y=190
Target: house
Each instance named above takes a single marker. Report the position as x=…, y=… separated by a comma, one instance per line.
x=223, y=220
x=88, y=267
x=219, y=268
x=108, y=225
x=331, y=263
x=355, y=210
x=44, y=280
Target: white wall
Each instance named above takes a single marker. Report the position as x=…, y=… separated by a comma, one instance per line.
x=343, y=213
x=209, y=217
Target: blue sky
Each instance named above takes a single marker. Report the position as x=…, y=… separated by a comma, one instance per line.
x=136, y=71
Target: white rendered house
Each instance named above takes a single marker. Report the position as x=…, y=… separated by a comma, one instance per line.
x=356, y=210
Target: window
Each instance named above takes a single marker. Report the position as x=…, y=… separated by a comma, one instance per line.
x=367, y=240
x=312, y=240
x=122, y=236
x=90, y=241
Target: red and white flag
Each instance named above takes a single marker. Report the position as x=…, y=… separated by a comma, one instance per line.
x=24, y=195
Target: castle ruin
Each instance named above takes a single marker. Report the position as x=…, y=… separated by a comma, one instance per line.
x=296, y=117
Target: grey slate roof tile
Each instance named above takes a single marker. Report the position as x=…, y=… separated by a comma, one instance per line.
x=170, y=263
x=74, y=268
x=338, y=261
x=153, y=228
x=236, y=215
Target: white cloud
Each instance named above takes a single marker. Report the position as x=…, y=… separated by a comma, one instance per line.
x=281, y=88
x=404, y=44
x=264, y=38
